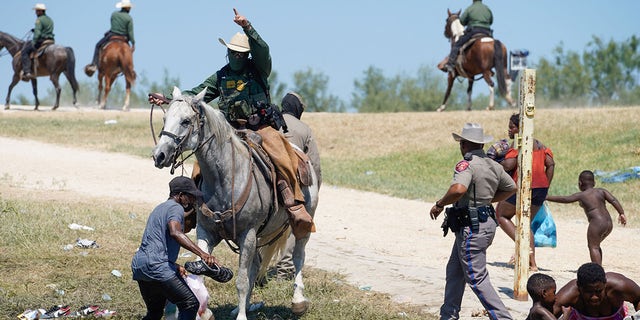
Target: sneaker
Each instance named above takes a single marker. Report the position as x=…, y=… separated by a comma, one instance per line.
x=87, y=310
x=217, y=273
x=57, y=312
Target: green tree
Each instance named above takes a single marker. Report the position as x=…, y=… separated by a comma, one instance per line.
x=612, y=66
x=313, y=88
x=277, y=89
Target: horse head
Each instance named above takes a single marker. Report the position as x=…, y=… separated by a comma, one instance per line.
x=182, y=128
x=453, y=29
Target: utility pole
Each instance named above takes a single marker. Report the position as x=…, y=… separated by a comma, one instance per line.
x=524, y=142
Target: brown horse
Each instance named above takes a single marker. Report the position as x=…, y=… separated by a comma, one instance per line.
x=54, y=60
x=479, y=58
x=115, y=58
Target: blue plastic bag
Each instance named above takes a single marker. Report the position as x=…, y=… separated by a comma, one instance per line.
x=544, y=228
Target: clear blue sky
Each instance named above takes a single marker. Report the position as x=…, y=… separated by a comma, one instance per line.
x=338, y=38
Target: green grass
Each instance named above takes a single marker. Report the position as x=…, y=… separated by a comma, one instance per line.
x=36, y=269
x=408, y=155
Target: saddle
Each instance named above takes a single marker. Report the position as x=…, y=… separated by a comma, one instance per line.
x=45, y=44
x=460, y=59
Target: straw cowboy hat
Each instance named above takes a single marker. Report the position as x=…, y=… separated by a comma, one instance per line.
x=124, y=4
x=239, y=43
x=39, y=6
x=472, y=132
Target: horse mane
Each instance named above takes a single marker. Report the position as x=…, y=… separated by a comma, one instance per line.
x=216, y=122
x=11, y=43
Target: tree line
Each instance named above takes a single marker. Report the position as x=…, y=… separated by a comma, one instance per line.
x=604, y=73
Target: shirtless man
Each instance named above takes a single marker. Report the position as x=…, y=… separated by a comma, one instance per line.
x=592, y=200
x=596, y=295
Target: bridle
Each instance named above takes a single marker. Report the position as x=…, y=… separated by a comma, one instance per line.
x=181, y=140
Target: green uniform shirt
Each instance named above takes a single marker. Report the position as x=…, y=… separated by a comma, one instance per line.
x=477, y=15
x=122, y=24
x=43, y=29
x=261, y=61
x=482, y=176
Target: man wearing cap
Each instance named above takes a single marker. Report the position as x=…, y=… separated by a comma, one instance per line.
x=478, y=19
x=42, y=31
x=154, y=264
x=477, y=182
x=240, y=86
x=300, y=134
x=121, y=25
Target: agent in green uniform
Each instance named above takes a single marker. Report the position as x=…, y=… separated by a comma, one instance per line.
x=42, y=31
x=121, y=25
x=477, y=18
x=241, y=86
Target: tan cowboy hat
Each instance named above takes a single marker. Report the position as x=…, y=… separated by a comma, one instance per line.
x=472, y=132
x=124, y=4
x=239, y=43
x=39, y=6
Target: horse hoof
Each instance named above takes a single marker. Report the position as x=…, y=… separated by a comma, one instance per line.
x=54, y=108
x=299, y=308
x=440, y=109
x=6, y=107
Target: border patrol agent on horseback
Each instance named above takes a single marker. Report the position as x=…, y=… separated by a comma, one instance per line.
x=477, y=182
x=478, y=18
x=121, y=25
x=42, y=31
x=243, y=92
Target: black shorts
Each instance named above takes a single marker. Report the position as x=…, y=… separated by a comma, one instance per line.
x=538, y=195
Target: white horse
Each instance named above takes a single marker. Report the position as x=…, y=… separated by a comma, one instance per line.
x=240, y=207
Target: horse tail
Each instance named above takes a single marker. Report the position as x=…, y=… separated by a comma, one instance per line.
x=71, y=69
x=498, y=63
x=271, y=253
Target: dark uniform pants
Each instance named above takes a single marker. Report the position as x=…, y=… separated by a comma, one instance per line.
x=468, y=34
x=26, y=51
x=468, y=265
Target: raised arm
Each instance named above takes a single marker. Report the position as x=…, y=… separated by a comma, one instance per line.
x=622, y=219
x=565, y=199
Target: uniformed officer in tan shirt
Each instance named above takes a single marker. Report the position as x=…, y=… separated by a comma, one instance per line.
x=477, y=182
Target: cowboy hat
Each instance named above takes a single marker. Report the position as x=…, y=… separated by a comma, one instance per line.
x=239, y=43
x=124, y=4
x=39, y=6
x=472, y=132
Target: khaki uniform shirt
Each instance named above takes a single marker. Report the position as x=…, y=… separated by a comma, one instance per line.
x=482, y=176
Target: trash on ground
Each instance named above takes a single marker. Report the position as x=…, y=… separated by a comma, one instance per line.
x=86, y=243
x=75, y=226
x=116, y=273
x=618, y=175
x=111, y=121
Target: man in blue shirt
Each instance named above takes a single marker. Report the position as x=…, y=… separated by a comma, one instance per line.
x=154, y=264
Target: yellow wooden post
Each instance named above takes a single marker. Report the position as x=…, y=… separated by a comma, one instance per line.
x=523, y=197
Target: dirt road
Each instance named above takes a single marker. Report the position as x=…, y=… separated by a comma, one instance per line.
x=380, y=243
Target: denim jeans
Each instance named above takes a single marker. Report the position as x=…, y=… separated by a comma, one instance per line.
x=156, y=293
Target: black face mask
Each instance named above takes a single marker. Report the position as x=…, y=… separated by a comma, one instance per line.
x=236, y=63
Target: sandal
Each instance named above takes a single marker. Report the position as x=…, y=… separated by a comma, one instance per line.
x=217, y=273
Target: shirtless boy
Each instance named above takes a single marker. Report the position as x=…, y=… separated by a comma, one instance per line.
x=542, y=289
x=593, y=201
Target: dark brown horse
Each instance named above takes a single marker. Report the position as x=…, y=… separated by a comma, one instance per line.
x=55, y=60
x=479, y=58
x=115, y=58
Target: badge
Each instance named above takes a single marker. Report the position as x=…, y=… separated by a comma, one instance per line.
x=231, y=84
x=462, y=166
x=240, y=85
